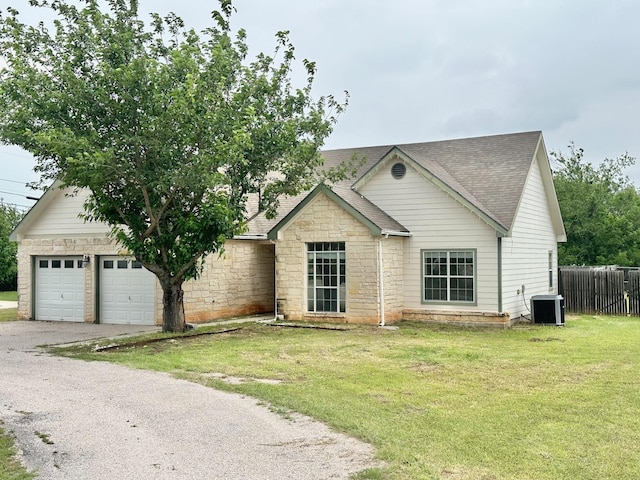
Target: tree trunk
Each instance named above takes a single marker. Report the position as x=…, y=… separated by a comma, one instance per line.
x=172, y=306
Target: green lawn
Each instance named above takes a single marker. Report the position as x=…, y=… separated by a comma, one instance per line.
x=10, y=469
x=9, y=296
x=8, y=314
x=441, y=402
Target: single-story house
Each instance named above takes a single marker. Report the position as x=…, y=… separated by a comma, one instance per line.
x=459, y=231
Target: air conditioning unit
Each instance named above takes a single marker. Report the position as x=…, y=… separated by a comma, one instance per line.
x=547, y=309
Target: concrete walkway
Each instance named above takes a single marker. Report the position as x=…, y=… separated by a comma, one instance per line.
x=95, y=420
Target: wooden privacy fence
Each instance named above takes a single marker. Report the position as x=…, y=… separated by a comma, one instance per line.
x=600, y=291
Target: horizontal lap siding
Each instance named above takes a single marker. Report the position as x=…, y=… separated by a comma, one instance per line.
x=526, y=252
x=436, y=221
x=61, y=216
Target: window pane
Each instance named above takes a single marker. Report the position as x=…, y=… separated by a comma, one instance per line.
x=136, y=264
x=107, y=264
x=43, y=263
x=68, y=263
x=449, y=276
x=56, y=264
x=326, y=272
x=123, y=264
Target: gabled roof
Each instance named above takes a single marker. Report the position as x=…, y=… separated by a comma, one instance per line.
x=41, y=204
x=438, y=176
x=485, y=174
x=377, y=221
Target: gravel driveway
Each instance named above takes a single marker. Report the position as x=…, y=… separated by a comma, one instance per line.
x=96, y=420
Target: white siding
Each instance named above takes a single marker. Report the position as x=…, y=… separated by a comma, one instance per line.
x=60, y=217
x=526, y=253
x=436, y=221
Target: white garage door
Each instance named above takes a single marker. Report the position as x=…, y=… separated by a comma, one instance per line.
x=126, y=292
x=59, y=289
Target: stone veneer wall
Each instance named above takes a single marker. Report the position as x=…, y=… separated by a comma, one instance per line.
x=239, y=283
x=393, y=261
x=477, y=319
x=322, y=220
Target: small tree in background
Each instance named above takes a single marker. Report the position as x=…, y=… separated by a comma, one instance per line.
x=172, y=131
x=9, y=218
x=600, y=208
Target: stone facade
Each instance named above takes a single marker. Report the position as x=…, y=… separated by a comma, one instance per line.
x=322, y=220
x=393, y=262
x=239, y=283
x=478, y=319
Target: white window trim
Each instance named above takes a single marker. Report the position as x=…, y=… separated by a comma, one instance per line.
x=423, y=277
x=340, y=288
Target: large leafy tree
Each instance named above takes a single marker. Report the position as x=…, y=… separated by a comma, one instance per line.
x=600, y=208
x=9, y=218
x=172, y=131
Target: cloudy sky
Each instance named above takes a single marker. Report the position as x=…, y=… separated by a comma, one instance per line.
x=422, y=70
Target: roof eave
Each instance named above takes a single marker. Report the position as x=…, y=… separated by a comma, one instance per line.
x=17, y=234
x=322, y=188
x=446, y=188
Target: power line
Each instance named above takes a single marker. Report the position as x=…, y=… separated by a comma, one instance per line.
x=13, y=193
x=5, y=152
x=16, y=205
x=12, y=181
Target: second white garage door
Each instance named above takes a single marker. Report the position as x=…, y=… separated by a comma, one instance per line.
x=127, y=292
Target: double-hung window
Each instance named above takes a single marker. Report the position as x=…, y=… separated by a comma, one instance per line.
x=449, y=276
x=326, y=277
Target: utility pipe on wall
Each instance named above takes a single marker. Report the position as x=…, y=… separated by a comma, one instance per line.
x=381, y=280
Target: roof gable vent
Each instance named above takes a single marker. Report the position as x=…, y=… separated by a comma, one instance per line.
x=398, y=170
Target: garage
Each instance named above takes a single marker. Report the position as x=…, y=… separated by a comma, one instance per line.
x=127, y=292
x=59, y=289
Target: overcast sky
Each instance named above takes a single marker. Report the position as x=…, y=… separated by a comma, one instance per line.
x=423, y=70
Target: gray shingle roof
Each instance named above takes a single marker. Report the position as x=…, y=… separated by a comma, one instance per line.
x=487, y=172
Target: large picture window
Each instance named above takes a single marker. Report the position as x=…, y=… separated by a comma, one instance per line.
x=326, y=277
x=449, y=276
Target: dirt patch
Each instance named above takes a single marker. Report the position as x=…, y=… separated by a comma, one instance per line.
x=548, y=339
x=238, y=380
x=174, y=338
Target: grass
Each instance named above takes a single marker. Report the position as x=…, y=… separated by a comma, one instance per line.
x=8, y=314
x=9, y=296
x=441, y=402
x=10, y=468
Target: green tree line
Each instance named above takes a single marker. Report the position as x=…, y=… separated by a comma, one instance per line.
x=9, y=218
x=601, y=210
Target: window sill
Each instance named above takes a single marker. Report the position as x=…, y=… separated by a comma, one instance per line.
x=325, y=314
x=460, y=304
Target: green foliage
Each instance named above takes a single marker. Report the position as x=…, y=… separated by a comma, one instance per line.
x=9, y=218
x=177, y=135
x=600, y=208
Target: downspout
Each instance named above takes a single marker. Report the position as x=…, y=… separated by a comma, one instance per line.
x=381, y=280
x=275, y=282
x=500, y=275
